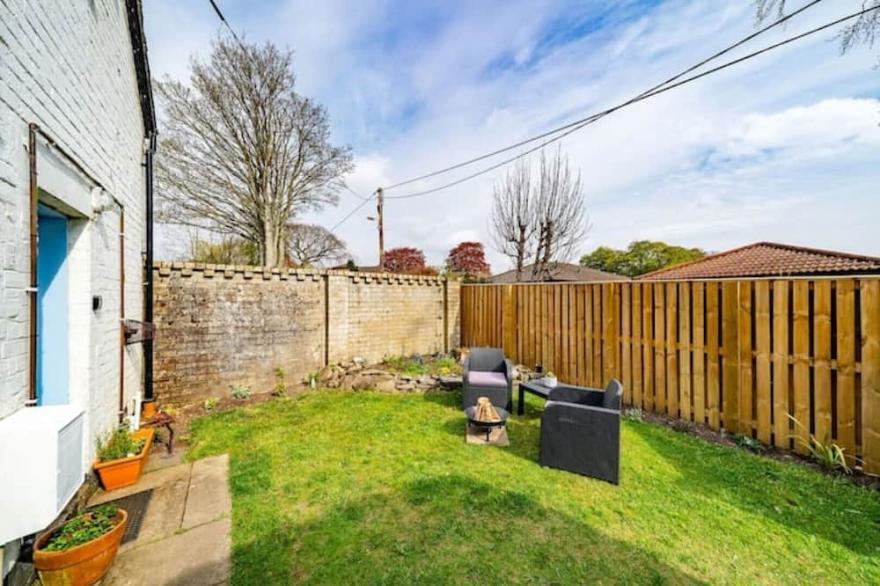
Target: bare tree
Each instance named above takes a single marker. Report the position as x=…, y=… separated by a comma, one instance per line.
x=308, y=244
x=542, y=219
x=560, y=215
x=864, y=30
x=242, y=152
x=513, y=227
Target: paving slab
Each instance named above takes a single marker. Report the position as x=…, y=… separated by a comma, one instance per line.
x=152, y=480
x=196, y=557
x=164, y=513
x=160, y=458
x=185, y=533
x=209, y=497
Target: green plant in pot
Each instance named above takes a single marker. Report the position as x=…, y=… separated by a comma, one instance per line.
x=81, y=550
x=550, y=380
x=121, y=457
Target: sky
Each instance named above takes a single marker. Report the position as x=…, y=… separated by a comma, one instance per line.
x=784, y=147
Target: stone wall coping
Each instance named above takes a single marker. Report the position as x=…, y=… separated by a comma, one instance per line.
x=208, y=270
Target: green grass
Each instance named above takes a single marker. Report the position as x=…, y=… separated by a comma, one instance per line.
x=354, y=488
x=436, y=366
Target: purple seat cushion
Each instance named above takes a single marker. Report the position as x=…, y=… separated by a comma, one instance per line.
x=487, y=379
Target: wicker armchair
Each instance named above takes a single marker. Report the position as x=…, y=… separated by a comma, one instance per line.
x=487, y=374
x=580, y=431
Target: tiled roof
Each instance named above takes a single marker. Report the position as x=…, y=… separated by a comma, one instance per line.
x=769, y=259
x=559, y=272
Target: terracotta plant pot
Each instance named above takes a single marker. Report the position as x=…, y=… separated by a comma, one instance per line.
x=81, y=565
x=148, y=410
x=126, y=471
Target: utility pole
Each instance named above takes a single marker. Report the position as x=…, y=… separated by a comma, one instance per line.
x=380, y=206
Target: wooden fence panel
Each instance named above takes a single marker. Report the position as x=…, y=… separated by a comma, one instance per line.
x=730, y=338
x=648, y=346
x=781, y=387
x=596, y=292
x=746, y=392
x=822, y=360
x=660, y=347
x=672, y=349
x=870, y=308
x=713, y=368
x=587, y=378
x=763, y=403
x=748, y=355
x=626, y=343
x=699, y=352
x=685, y=400
x=637, y=392
x=801, y=380
x=609, y=338
x=846, y=373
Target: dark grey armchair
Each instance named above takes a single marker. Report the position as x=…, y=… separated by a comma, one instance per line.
x=487, y=374
x=580, y=431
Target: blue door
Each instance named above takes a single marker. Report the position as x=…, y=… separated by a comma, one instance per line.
x=52, y=311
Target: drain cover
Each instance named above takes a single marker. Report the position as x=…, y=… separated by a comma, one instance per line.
x=136, y=506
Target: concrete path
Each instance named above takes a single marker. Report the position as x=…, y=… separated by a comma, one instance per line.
x=185, y=534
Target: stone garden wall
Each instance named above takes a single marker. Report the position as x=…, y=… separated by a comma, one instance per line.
x=224, y=326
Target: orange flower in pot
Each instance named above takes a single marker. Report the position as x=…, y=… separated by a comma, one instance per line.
x=80, y=551
x=122, y=457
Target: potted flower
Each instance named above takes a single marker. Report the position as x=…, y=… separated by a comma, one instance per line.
x=550, y=380
x=122, y=456
x=81, y=550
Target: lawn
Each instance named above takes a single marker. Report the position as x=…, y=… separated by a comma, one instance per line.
x=354, y=488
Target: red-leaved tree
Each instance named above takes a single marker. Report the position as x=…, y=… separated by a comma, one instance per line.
x=468, y=259
x=407, y=260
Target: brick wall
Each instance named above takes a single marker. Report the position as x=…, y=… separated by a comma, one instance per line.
x=219, y=326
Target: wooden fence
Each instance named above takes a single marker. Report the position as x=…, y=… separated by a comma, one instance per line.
x=742, y=355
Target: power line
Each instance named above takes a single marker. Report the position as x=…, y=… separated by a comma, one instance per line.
x=355, y=193
x=579, y=124
x=224, y=21
x=739, y=43
x=352, y=212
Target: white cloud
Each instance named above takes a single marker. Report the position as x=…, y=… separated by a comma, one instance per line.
x=782, y=147
x=833, y=123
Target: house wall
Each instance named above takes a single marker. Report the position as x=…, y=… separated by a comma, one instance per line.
x=68, y=67
x=221, y=326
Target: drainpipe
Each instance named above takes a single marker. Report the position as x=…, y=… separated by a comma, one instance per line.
x=121, y=313
x=32, y=290
x=148, y=268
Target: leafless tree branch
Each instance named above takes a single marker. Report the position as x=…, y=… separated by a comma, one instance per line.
x=242, y=152
x=311, y=245
x=863, y=31
x=542, y=219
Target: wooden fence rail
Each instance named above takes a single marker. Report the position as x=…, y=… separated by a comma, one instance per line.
x=746, y=355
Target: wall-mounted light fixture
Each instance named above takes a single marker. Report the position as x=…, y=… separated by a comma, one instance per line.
x=101, y=201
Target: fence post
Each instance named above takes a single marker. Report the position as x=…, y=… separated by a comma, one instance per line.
x=870, y=307
x=326, y=278
x=730, y=343
x=744, y=351
x=508, y=322
x=446, y=315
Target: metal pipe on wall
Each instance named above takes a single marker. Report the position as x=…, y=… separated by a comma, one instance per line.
x=121, y=313
x=148, y=270
x=32, y=290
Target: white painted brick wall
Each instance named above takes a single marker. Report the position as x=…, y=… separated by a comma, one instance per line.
x=68, y=67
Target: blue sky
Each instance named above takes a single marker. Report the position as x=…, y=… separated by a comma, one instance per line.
x=785, y=147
